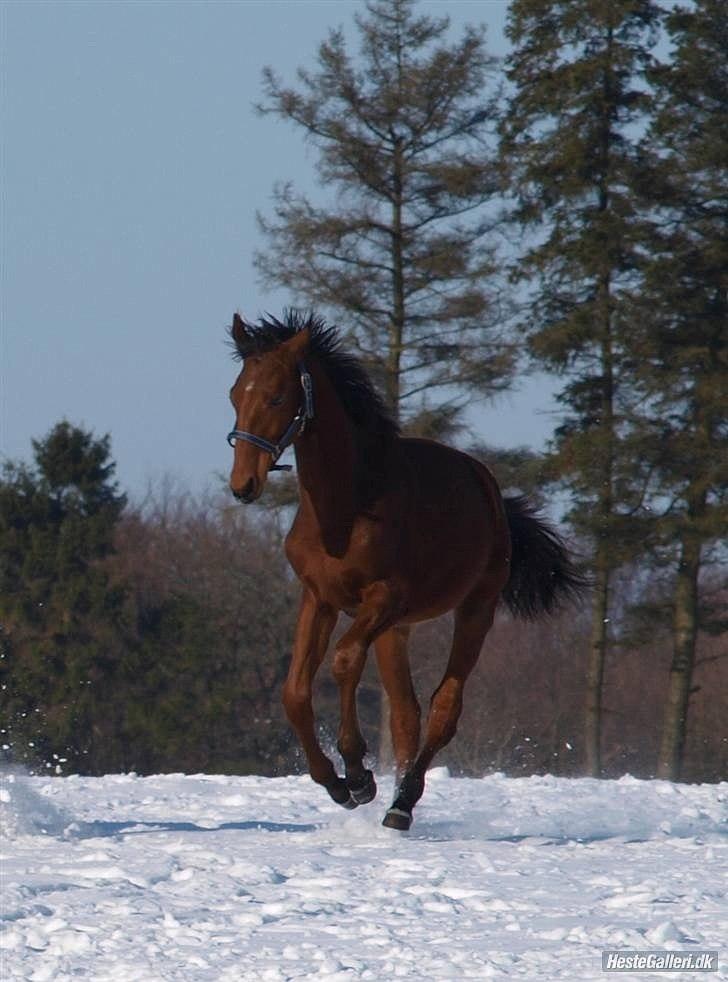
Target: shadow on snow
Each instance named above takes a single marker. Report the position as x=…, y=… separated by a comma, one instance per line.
x=100, y=830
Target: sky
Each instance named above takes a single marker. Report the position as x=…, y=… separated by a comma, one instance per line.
x=133, y=164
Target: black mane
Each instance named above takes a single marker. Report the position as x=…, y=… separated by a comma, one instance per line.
x=361, y=401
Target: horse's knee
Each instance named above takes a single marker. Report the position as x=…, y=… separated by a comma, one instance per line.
x=346, y=660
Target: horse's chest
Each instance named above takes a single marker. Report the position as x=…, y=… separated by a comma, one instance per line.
x=337, y=579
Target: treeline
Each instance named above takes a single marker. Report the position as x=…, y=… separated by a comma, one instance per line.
x=156, y=636
x=147, y=637
x=566, y=211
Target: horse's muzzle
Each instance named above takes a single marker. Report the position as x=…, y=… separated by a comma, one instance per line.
x=248, y=493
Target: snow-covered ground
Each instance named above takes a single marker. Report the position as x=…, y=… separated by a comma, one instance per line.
x=218, y=878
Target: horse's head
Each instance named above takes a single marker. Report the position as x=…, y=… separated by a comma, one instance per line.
x=272, y=401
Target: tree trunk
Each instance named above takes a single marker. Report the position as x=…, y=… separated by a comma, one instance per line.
x=397, y=315
x=595, y=667
x=392, y=393
x=603, y=560
x=685, y=630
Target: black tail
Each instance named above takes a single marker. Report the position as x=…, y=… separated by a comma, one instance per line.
x=542, y=574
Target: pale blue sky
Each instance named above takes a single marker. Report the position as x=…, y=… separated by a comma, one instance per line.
x=133, y=165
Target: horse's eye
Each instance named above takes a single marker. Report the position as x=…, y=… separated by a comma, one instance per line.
x=277, y=400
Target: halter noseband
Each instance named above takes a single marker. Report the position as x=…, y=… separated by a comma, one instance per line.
x=296, y=427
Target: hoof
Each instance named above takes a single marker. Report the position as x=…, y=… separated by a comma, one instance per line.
x=342, y=796
x=398, y=819
x=366, y=791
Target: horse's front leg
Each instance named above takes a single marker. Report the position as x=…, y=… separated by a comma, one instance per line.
x=315, y=623
x=375, y=614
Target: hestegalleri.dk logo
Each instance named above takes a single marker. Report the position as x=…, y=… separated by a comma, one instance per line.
x=660, y=961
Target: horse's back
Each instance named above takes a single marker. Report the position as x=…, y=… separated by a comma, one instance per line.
x=450, y=482
x=454, y=531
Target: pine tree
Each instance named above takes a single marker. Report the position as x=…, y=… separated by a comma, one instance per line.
x=518, y=470
x=213, y=611
x=402, y=256
x=685, y=304
x=58, y=609
x=569, y=149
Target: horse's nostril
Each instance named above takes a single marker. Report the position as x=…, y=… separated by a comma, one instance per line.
x=244, y=493
x=247, y=492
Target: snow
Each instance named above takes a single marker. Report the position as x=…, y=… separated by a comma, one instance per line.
x=195, y=878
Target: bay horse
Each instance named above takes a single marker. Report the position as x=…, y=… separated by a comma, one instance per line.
x=391, y=530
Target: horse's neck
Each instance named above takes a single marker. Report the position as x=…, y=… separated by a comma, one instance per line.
x=326, y=457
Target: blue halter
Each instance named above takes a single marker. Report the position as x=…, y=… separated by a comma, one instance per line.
x=296, y=427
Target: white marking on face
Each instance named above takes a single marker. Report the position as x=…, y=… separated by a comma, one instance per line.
x=250, y=386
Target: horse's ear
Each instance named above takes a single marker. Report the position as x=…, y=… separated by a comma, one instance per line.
x=298, y=344
x=238, y=329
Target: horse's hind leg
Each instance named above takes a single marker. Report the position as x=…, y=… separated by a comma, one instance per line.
x=472, y=622
x=313, y=630
x=394, y=671
x=373, y=617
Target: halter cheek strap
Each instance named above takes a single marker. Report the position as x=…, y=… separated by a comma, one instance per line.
x=296, y=427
